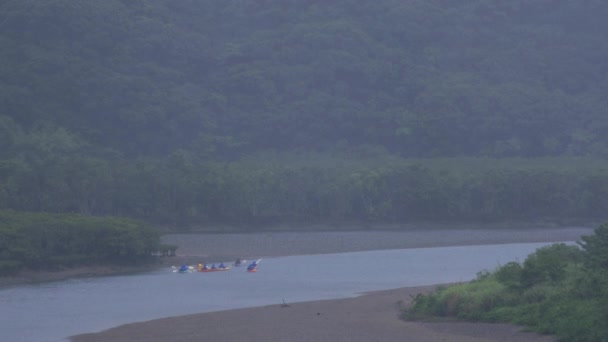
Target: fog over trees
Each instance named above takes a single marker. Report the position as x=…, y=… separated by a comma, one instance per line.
x=120, y=117
x=249, y=112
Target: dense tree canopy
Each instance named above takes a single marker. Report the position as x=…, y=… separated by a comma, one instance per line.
x=418, y=78
x=244, y=111
x=50, y=241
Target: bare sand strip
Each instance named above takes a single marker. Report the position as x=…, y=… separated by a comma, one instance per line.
x=195, y=248
x=370, y=317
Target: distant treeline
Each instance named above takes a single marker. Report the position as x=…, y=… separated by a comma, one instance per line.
x=182, y=190
x=39, y=241
x=559, y=289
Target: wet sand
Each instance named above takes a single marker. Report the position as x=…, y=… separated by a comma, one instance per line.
x=370, y=317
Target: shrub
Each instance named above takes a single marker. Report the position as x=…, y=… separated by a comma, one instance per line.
x=573, y=320
x=510, y=275
x=42, y=240
x=596, y=248
x=548, y=264
x=558, y=294
x=467, y=301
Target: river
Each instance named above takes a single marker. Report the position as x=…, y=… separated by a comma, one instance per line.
x=54, y=311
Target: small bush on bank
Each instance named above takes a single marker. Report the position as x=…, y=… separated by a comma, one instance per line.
x=466, y=301
x=572, y=320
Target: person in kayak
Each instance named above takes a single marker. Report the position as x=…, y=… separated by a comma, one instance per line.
x=238, y=262
x=221, y=266
x=183, y=268
x=205, y=267
x=252, y=266
x=213, y=267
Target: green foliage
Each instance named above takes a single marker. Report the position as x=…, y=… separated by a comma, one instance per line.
x=596, y=247
x=573, y=319
x=182, y=189
x=230, y=78
x=509, y=274
x=553, y=293
x=183, y=112
x=471, y=301
x=49, y=241
x=548, y=264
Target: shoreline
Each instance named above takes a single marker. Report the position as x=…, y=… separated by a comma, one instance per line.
x=226, y=247
x=357, y=226
x=210, y=248
x=28, y=277
x=369, y=317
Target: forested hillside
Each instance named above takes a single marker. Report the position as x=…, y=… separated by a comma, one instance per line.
x=200, y=110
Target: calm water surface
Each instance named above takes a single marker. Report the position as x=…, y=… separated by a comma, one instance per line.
x=54, y=311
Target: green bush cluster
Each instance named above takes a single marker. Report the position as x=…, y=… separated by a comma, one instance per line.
x=559, y=289
x=50, y=241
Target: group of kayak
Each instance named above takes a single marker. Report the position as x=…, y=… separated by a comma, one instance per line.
x=253, y=267
x=213, y=268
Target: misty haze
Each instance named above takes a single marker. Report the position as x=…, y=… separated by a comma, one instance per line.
x=303, y=170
